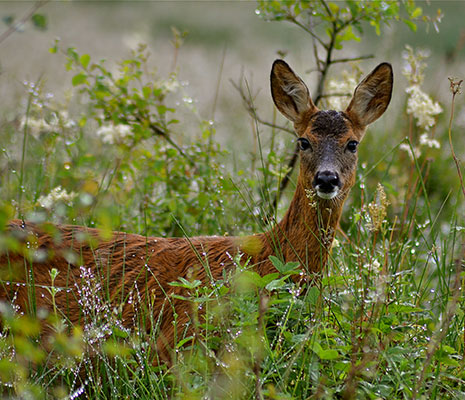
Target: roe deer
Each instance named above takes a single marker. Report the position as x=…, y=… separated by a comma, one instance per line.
x=328, y=143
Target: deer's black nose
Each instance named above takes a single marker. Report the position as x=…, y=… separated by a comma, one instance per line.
x=326, y=181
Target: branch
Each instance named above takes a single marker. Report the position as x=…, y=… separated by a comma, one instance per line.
x=343, y=60
x=14, y=26
x=309, y=31
x=165, y=135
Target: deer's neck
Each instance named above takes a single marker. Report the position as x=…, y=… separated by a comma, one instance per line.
x=305, y=234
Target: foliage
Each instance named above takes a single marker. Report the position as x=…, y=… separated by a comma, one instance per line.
x=384, y=320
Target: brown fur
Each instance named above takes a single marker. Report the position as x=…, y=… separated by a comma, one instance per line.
x=128, y=264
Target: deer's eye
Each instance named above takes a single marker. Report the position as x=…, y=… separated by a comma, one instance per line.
x=304, y=144
x=352, y=146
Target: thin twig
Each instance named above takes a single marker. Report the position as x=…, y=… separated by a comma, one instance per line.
x=309, y=31
x=14, y=26
x=165, y=135
x=344, y=60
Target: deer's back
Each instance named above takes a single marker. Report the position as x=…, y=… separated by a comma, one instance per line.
x=119, y=268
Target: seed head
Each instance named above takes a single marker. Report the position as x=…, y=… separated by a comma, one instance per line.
x=377, y=209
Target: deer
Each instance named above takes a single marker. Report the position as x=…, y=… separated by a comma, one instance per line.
x=327, y=142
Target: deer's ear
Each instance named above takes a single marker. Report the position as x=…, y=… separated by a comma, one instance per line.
x=290, y=94
x=372, y=96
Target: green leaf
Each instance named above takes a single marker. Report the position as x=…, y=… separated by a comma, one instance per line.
x=119, y=333
x=79, y=79
x=277, y=263
x=289, y=268
x=54, y=49
x=328, y=354
x=412, y=25
x=449, y=361
x=375, y=23
x=348, y=35
x=417, y=12
x=299, y=338
x=335, y=280
x=276, y=284
x=354, y=8
x=333, y=7
x=183, y=341
x=251, y=278
x=84, y=59
x=146, y=91
x=39, y=21
x=403, y=309
x=269, y=278
x=8, y=20
x=72, y=54
x=186, y=284
x=313, y=295
x=447, y=349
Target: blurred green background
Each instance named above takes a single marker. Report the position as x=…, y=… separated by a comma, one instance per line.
x=217, y=32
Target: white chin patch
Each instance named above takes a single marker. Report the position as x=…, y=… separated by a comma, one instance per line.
x=327, y=196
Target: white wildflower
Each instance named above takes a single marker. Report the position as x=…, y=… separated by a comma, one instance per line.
x=169, y=86
x=112, y=134
x=335, y=244
x=35, y=126
x=374, y=266
x=422, y=107
x=64, y=119
x=57, y=195
x=342, y=90
x=414, y=66
x=425, y=140
x=416, y=151
x=194, y=186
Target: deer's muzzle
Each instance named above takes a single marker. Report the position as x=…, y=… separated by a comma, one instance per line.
x=327, y=184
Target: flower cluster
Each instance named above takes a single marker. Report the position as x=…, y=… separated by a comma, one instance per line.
x=339, y=91
x=422, y=107
x=55, y=123
x=425, y=140
x=114, y=134
x=419, y=104
x=57, y=195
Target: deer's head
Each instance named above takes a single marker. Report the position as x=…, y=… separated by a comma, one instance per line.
x=328, y=140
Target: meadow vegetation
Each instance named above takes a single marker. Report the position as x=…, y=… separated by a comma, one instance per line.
x=384, y=320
